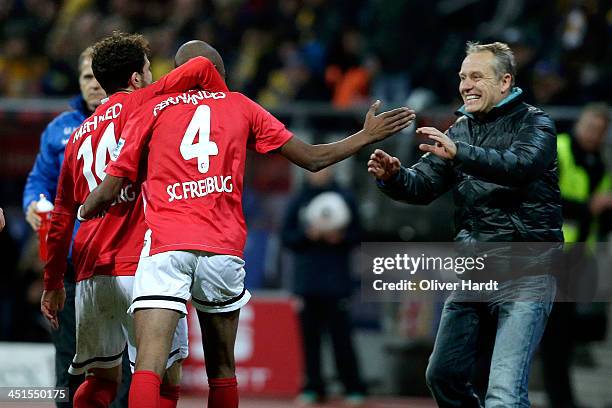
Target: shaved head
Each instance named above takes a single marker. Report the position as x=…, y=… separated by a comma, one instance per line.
x=197, y=48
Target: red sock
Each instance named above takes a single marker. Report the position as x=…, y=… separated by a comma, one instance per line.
x=144, y=391
x=169, y=395
x=95, y=392
x=223, y=393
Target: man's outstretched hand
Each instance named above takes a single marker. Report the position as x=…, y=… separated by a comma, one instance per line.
x=383, y=166
x=383, y=125
x=444, y=146
x=51, y=302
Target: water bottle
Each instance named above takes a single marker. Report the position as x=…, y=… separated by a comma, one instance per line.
x=43, y=209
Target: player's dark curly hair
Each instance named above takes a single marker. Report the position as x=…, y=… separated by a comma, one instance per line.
x=116, y=57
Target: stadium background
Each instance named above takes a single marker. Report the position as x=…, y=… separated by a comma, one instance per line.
x=316, y=65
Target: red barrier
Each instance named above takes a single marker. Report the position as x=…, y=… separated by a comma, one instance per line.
x=268, y=350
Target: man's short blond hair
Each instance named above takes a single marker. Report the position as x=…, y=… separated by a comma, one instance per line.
x=504, y=57
x=86, y=54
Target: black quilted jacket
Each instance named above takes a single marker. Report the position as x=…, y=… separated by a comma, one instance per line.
x=504, y=176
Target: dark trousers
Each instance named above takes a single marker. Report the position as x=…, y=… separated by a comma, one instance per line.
x=557, y=349
x=64, y=340
x=322, y=315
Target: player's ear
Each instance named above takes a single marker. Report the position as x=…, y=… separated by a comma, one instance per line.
x=135, y=80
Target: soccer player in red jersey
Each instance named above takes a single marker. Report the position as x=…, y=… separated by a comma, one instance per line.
x=191, y=147
x=106, y=250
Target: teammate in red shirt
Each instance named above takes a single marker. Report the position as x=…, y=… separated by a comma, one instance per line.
x=106, y=250
x=195, y=147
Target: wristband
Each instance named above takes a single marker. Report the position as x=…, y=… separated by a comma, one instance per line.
x=79, y=214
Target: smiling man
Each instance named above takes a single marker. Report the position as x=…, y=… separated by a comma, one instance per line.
x=500, y=160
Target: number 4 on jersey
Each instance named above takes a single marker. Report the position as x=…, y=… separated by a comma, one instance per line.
x=200, y=124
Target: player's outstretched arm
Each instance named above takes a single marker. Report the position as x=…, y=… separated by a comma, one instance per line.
x=375, y=128
x=100, y=198
x=2, y=222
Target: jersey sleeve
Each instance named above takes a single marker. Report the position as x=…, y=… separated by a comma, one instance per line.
x=198, y=72
x=59, y=237
x=125, y=160
x=65, y=202
x=267, y=133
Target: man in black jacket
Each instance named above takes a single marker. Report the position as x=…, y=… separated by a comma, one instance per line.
x=500, y=160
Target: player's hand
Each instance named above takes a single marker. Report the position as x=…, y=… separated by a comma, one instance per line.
x=383, y=166
x=32, y=217
x=379, y=127
x=51, y=302
x=2, y=222
x=444, y=146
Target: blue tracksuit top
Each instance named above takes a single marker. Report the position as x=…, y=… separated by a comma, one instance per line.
x=45, y=173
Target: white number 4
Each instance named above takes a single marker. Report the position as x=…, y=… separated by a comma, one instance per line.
x=200, y=124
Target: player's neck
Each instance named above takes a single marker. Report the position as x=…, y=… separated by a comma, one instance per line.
x=129, y=89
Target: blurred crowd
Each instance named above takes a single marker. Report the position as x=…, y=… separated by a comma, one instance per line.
x=344, y=51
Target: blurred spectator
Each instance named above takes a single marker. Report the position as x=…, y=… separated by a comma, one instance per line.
x=251, y=65
x=2, y=221
x=585, y=44
x=321, y=227
x=586, y=192
x=586, y=186
x=345, y=73
x=392, y=30
x=550, y=86
x=20, y=69
x=292, y=80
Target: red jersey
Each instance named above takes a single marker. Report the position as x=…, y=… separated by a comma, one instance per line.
x=196, y=143
x=109, y=245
